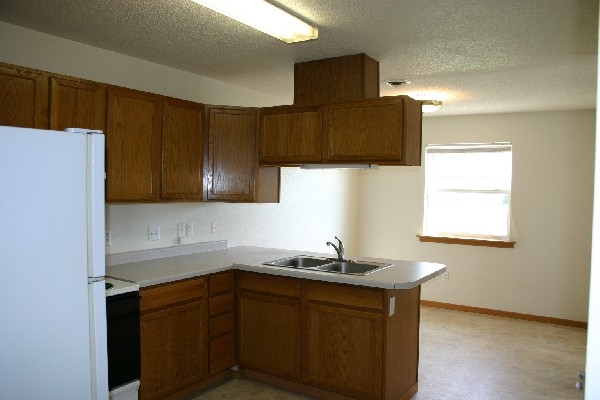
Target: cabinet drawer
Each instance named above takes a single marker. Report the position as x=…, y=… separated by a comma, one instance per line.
x=350, y=295
x=220, y=304
x=221, y=353
x=220, y=325
x=172, y=293
x=220, y=283
x=277, y=285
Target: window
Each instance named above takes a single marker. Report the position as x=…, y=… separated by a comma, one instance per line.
x=467, y=191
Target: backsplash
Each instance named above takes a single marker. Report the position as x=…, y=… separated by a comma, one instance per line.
x=315, y=206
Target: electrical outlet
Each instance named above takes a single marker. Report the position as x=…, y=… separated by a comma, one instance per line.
x=154, y=232
x=189, y=229
x=107, y=237
x=214, y=228
x=180, y=230
x=446, y=276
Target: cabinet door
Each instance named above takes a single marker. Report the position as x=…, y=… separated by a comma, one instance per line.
x=174, y=349
x=344, y=350
x=269, y=334
x=182, y=149
x=370, y=131
x=76, y=103
x=232, y=157
x=133, y=145
x=290, y=135
x=23, y=98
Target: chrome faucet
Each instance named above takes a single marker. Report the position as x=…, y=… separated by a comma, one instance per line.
x=339, y=249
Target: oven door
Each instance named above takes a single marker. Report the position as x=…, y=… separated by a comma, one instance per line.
x=123, y=335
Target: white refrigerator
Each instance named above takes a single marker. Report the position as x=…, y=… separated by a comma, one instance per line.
x=52, y=297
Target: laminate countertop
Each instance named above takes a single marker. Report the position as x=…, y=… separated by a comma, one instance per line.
x=401, y=275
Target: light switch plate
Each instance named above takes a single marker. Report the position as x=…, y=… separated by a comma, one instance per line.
x=154, y=232
x=180, y=230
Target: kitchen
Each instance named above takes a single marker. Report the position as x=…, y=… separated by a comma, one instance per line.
x=508, y=279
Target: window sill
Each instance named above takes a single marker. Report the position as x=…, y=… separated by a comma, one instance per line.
x=507, y=244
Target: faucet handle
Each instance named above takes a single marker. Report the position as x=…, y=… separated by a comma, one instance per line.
x=340, y=246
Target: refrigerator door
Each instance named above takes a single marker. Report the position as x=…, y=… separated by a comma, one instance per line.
x=48, y=332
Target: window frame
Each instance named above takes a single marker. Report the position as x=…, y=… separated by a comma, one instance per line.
x=473, y=239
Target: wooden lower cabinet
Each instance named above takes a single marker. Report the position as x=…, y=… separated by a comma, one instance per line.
x=348, y=341
x=344, y=350
x=221, y=322
x=269, y=324
x=328, y=340
x=173, y=327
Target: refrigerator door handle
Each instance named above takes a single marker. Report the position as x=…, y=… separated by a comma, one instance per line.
x=96, y=204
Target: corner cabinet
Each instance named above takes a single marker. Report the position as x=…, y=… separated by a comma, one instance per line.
x=231, y=166
x=174, y=330
x=384, y=131
x=133, y=145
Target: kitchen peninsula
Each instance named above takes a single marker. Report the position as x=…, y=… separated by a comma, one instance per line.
x=329, y=335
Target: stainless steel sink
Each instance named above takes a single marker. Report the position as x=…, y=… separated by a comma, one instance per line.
x=305, y=262
x=351, y=267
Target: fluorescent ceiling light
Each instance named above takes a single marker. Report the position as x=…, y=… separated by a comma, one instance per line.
x=265, y=17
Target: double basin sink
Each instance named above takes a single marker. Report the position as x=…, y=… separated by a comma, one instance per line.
x=334, y=265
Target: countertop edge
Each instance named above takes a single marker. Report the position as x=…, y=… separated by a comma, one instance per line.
x=245, y=258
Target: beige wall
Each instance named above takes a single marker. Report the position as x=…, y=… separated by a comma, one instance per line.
x=547, y=273
x=33, y=49
x=378, y=213
x=315, y=205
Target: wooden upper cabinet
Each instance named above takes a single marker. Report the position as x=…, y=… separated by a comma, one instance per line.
x=336, y=79
x=290, y=134
x=182, y=149
x=231, y=154
x=133, y=145
x=76, y=103
x=23, y=97
x=385, y=131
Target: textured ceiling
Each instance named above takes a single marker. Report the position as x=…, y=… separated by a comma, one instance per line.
x=480, y=56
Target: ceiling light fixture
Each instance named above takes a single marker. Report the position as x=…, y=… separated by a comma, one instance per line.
x=431, y=105
x=265, y=17
x=397, y=82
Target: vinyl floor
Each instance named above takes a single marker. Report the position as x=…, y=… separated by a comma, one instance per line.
x=472, y=357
